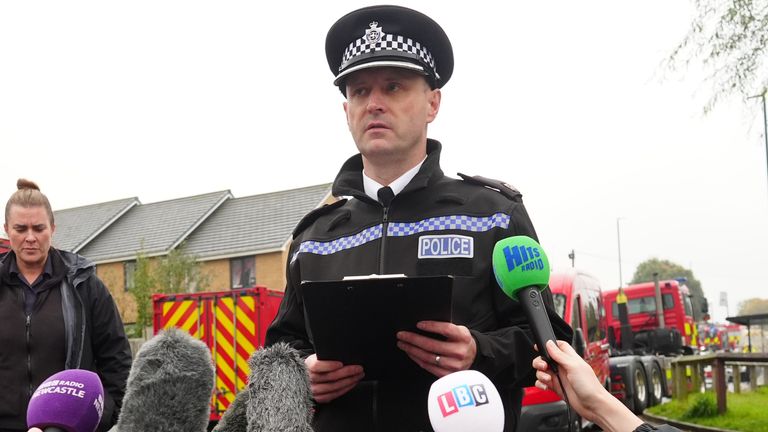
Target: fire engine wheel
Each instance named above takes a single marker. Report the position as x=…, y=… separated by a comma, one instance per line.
x=655, y=385
x=640, y=384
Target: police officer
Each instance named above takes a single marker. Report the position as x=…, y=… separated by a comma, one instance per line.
x=405, y=217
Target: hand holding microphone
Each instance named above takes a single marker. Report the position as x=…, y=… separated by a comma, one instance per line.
x=592, y=401
x=577, y=378
x=522, y=271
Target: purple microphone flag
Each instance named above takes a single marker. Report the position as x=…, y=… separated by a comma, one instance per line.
x=72, y=400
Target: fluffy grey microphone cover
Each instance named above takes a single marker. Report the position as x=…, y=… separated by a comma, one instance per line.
x=169, y=387
x=280, y=397
x=234, y=418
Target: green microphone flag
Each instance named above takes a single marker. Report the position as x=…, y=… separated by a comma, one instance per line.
x=520, y=262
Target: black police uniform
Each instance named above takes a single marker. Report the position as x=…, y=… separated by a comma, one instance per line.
x=341, y=239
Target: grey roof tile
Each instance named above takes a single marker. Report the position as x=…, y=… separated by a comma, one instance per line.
x=153, y=228
x=77, y=226
x=248, y=225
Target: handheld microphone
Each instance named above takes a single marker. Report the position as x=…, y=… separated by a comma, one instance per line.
x=522, y=271
x=170, y=385
x=68, y=401
x=280, y=397
x=465, y=401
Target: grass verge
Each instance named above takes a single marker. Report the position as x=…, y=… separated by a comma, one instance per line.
x=747, y=411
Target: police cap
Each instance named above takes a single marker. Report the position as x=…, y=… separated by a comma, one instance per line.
x=389, y=36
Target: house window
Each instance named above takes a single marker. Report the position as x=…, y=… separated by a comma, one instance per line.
x=129, y=271
x=242, y=272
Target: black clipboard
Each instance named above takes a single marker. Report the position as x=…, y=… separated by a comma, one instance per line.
x=355, y=321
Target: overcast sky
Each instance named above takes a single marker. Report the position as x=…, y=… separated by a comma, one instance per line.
x=565, y=100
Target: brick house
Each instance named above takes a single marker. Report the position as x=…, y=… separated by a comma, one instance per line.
x=238, y=241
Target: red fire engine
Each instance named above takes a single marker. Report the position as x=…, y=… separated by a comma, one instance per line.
x=233, y=325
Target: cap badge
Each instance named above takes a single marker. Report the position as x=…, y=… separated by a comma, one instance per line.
x=373, y=34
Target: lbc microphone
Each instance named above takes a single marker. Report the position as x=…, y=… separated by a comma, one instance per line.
x=465, y=401
x=69, y=401
x=169, y=387
x=279, y=393
x=522, y=271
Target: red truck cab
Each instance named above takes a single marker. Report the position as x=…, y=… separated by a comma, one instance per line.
x=5, y=245
x=641, y=309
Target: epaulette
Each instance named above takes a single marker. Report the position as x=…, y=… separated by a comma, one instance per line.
x=503, y=188
x=312, y=216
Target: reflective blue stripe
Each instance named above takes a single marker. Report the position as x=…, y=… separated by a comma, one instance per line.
x=330, y=247
x=454, y=222
x=402, y=229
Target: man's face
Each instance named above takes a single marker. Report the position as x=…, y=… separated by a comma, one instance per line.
x=30, y=232
x=388, y=110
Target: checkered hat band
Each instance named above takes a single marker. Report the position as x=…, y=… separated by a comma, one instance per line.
x=453, y=222
x=403, y=229
x=388, y=42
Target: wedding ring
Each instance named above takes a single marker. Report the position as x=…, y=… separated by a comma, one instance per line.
x=437, y=360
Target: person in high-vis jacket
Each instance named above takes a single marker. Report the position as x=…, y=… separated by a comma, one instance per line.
x=391, y=63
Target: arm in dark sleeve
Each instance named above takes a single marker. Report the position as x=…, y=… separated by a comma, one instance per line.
x=505, y=353
x=289, y=325
x=111, y=350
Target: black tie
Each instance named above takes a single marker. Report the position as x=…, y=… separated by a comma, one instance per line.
x=385, y=195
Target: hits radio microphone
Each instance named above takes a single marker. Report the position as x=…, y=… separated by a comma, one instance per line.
x=279, y=393
x=522, y=271
x=169, y=387
x=69, y=401
x=465, y=401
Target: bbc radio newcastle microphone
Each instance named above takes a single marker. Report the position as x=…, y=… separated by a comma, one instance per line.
x=68, y=401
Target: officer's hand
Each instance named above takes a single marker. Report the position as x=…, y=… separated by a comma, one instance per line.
x=331, y=379
x=439, y=357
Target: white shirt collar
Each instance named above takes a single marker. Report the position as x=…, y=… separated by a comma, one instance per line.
x=372, y=186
